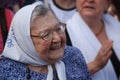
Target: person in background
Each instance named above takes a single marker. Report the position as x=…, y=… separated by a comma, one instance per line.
x=114, y=9
x=27, y=2
x=36, y=49
x=13, y=5
x=96, y=34
x=63, y=9
x=6, y=16
x=117, y=5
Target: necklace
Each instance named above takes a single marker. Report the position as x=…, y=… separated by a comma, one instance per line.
x=100, y=31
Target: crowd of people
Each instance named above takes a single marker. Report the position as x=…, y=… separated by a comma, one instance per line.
x=60, y=40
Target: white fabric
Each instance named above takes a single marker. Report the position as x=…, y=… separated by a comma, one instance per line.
x=50, y=73
x=83, y=38
x=19, y=45
x=60, y=71
x=62, y=15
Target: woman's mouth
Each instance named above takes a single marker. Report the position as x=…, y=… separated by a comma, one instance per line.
x=55, y=46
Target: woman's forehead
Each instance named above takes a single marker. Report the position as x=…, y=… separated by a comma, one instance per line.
x=43, y=22
x=49, y=17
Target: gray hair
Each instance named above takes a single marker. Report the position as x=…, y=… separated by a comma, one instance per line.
x=39, y=10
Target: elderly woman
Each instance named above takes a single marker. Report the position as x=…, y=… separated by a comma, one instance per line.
x=92, y=28
x=35, y=49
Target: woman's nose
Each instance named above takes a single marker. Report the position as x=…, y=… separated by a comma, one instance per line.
x=56, y=36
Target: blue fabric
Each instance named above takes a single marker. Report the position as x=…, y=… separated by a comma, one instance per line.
x=76, y=68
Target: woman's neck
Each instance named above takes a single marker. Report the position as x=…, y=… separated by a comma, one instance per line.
x=96, y=25
x=65, y=4
x=92, y=21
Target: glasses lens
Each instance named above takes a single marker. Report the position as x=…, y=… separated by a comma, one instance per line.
x=46, y=35
x=60, y=29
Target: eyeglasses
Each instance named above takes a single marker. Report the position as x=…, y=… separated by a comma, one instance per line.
x=48, y=35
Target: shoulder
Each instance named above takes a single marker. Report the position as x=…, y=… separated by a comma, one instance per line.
x=73, y=55
x=6, y=63
x=75, y=64
x=8, y=12
x=73, y=51
x=10, y=69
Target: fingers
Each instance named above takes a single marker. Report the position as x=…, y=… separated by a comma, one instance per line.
x=109, y=55
x=105, y=51
x=107, y=46
x=104, y=54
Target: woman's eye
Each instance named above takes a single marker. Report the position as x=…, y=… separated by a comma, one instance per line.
x=45, y=34
x=58, y=29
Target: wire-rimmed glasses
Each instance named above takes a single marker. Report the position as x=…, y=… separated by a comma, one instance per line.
x=48, y=35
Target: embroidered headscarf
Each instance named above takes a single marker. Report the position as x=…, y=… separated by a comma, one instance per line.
x=19, y=45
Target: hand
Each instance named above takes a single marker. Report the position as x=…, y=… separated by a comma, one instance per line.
x=102, y=57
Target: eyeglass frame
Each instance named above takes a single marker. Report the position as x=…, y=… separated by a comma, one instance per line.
x=51, y=33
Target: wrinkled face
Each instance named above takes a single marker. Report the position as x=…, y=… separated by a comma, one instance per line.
x=93, y=8
x=50, y=45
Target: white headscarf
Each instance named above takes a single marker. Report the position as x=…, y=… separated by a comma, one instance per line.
x=19, y=45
